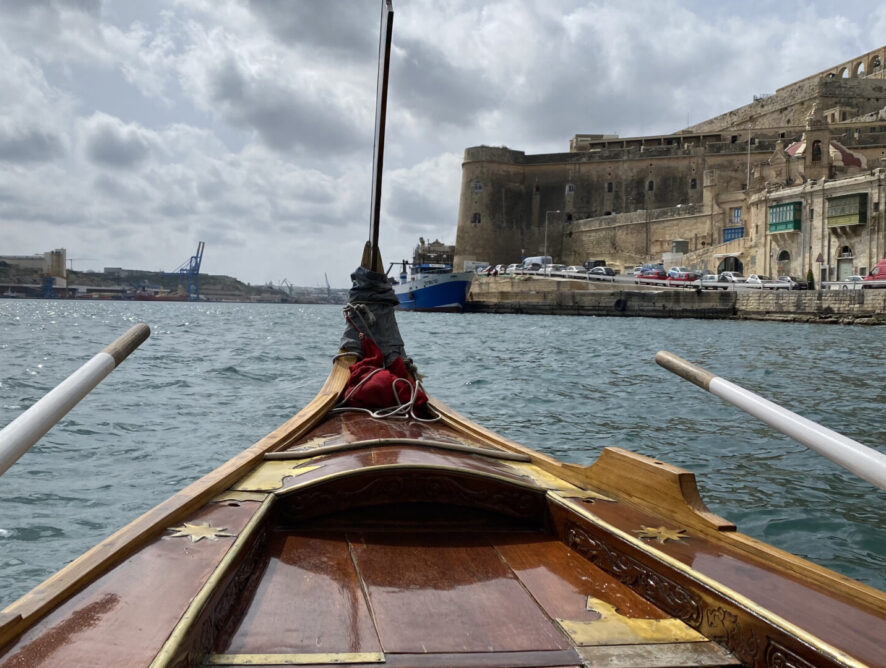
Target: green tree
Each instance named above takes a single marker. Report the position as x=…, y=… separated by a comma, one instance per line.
x=810, y=278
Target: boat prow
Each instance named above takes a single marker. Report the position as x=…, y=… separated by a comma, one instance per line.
x=341, y=538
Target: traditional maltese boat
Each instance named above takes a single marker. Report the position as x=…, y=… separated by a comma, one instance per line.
x=379, y=527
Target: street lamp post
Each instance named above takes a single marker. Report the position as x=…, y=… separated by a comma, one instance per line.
x=544, y=259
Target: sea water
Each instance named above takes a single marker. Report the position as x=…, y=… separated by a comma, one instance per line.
x=214, y=378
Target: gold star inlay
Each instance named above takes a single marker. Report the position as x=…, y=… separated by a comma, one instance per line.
x=198, y=531
x=661, y=534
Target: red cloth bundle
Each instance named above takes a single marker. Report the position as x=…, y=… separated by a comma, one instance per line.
x=372, y=386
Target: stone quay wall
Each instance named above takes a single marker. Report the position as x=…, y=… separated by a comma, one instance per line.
x=552, y=297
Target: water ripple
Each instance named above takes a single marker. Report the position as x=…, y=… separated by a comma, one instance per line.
x=214, y=378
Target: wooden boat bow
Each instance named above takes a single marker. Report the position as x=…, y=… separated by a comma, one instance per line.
x=438, y=544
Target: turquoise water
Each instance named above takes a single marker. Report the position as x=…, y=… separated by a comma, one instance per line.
x=214, y=378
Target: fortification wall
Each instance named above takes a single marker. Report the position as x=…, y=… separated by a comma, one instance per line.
x=790, y=105
x=572, y=298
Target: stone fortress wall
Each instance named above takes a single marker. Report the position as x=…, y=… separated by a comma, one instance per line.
x=628, y=200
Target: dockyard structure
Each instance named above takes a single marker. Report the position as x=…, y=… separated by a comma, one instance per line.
x=791, y=182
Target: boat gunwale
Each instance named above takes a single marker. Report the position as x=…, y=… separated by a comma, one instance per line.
x=29, y=609
x=683, y=504
x=737, y=599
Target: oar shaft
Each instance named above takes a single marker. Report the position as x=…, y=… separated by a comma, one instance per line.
x=20, y=434
x=863, y=461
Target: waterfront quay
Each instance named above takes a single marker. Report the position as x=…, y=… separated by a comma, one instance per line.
x=551, y=296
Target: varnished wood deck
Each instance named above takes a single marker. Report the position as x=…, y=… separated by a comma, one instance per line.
x=416, y=555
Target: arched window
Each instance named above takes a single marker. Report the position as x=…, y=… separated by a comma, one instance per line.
x=875, y=64
x=846, y=251
x=859, y=69
x=816, y=151
x=650, y=186
x=693, y=184
x=843, y=73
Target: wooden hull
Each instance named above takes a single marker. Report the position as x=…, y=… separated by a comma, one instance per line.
x=344, y=539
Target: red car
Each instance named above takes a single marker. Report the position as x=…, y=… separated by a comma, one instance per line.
x=878, y=273
x=656, y=276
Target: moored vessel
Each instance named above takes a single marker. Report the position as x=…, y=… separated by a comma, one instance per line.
x=428, y=283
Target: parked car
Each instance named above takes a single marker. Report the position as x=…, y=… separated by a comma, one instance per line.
x=854, y=282
x=682, y=276
x=712, y=282
x=552, y=269
x=732, y=277
x=512, y=268
x=681, y=272
x=757, y=280
x=636, y=271
x=602, y=271
x=653, y=276
x=576, y=270
x=878, y=273
x=793, y=282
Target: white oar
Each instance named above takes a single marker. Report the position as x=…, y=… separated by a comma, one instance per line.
x=27, y=428
x=863, y=461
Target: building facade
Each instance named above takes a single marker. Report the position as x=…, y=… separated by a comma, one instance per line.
x=794, y=175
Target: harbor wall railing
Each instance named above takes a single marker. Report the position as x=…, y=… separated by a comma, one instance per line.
x=551, y=297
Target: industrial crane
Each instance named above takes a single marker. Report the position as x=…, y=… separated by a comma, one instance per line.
x=189, y=273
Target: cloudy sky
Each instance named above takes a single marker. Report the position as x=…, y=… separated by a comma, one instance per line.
x=131, y=130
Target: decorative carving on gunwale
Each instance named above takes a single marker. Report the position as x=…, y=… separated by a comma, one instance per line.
x=415, y=487
x=717, y=623
x=657, y=589
x=725, y=628
x=781, y=657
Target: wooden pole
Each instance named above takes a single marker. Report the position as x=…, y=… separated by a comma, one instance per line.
x=20, y=434
x=861, y=460
x=381, y=105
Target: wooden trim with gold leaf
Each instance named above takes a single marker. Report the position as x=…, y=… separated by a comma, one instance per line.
x=116, y=548
x=682, y=602
x=171, y=649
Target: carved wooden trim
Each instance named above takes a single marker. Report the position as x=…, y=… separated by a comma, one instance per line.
x=748, y=637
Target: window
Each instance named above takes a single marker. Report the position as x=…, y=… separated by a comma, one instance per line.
x=475, y=219
x=736, y=215
x=609, y=187
x=478, y=187
x=693, y=184
x=570, y=188
x=650, y=186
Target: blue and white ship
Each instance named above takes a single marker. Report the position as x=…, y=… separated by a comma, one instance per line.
x=429, y=284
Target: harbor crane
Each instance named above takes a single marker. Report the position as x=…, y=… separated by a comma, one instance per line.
x=189, y=273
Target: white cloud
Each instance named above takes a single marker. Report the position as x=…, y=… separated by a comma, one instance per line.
x=129, y=131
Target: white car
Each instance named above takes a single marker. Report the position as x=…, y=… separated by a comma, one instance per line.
x=575, y=270
x=512, y=268
x=732, y=277
x=757, y=280
x=712, y=282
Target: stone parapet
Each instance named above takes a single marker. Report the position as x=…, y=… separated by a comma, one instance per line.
x=551, y=297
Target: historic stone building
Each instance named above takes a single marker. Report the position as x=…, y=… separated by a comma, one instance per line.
x=790, y=182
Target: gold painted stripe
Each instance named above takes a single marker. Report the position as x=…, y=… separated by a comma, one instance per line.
x=739, y=599
x=168, y=652
x=523, y=484
x=294, y=659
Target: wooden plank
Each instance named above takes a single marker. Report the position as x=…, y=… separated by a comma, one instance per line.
x=114, y=549
x=125, y=616
x=561, y=581
x=309, y=601
x=449, y=593
x=679, y=655
x=845, y=624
